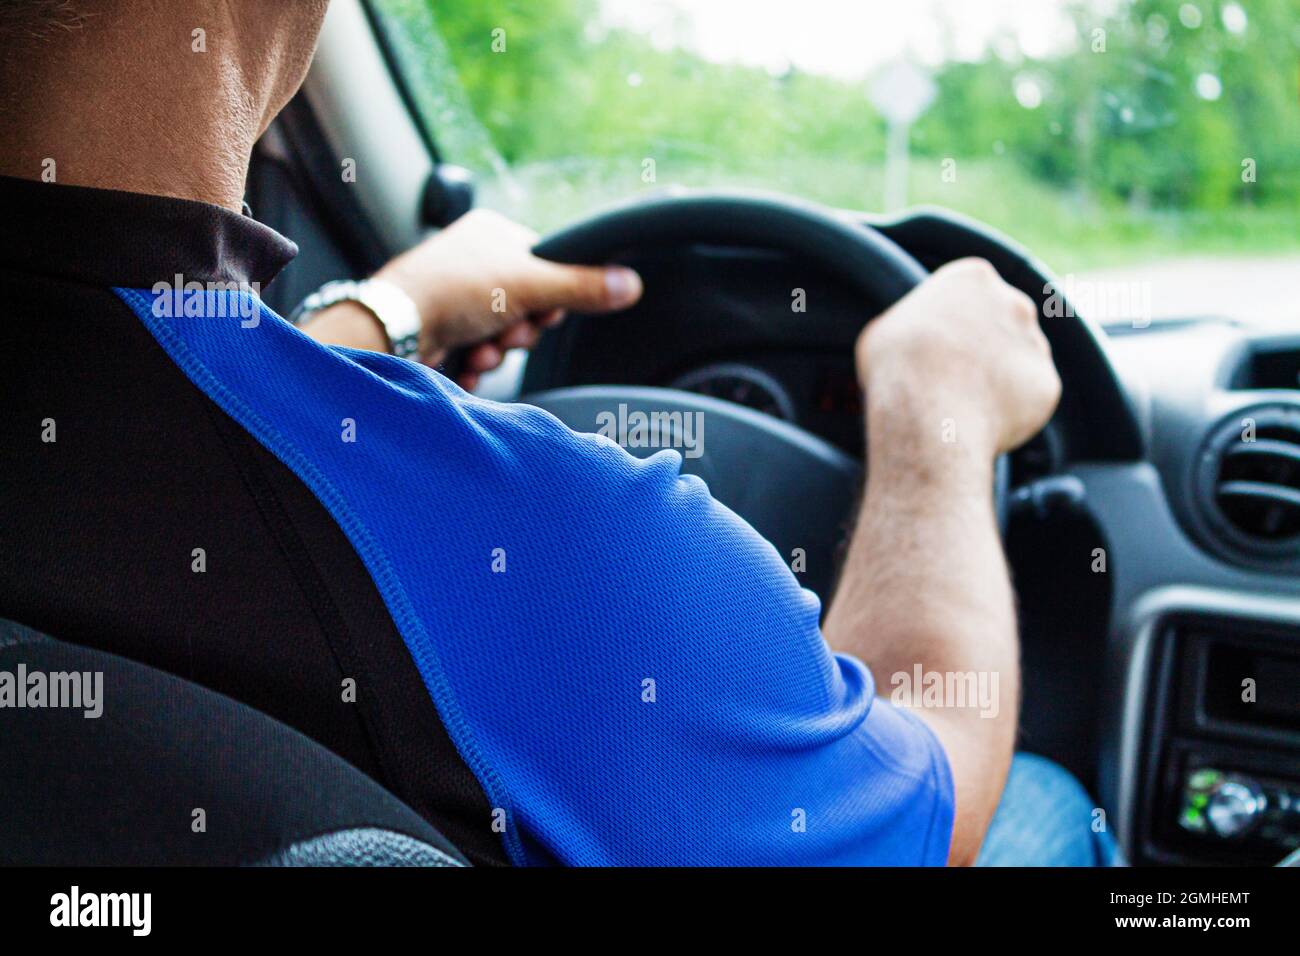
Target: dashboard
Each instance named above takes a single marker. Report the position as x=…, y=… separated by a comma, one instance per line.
x=818, y=392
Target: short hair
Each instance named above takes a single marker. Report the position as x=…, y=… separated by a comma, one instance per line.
x=39, y=19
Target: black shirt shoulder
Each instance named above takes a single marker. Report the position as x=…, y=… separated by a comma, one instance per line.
x=138, y=518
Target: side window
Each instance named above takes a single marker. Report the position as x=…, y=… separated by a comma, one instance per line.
x=414, y=40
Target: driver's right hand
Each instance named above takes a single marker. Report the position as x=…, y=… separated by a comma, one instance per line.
x=964, y=354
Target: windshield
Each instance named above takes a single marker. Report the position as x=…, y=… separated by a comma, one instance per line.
x=1139, y=141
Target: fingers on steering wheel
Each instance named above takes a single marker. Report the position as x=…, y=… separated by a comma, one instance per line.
x=547, y=320
x=483, y=358
x=521, y=336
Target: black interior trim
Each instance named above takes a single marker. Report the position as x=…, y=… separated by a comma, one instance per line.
x=350, y=227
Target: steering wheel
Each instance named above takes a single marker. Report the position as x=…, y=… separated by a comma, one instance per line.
x=796, y=489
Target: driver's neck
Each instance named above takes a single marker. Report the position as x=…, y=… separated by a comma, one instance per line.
x=134, y=100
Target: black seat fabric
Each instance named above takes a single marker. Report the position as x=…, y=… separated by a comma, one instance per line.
x=360, y=847
x=173, y=774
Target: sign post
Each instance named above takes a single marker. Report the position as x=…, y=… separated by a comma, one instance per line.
x=900, y=93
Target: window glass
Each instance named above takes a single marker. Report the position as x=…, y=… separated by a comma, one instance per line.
x=1101, y=134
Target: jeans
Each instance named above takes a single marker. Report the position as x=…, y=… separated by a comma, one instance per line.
x=1046, y=818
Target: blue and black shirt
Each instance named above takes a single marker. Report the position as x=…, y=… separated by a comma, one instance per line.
x=556, y=652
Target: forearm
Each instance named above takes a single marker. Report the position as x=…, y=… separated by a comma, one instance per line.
x=925, y=584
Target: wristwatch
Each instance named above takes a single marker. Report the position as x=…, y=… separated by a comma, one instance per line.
x=385, y=301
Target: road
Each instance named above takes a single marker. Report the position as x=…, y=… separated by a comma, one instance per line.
x=1258, y=290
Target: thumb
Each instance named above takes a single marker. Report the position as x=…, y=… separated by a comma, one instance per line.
x=583, y=288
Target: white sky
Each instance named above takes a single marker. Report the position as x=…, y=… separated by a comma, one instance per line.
x=847, y=38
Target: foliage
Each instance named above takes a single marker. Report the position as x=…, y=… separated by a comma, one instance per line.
x=1121, y=153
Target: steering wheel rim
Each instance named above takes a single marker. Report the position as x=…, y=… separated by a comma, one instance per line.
x=781, y=510
x=857, y=254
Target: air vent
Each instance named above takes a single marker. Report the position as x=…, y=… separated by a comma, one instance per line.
x=1251, y=480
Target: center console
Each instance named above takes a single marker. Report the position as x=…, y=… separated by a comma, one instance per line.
x=1216, y=759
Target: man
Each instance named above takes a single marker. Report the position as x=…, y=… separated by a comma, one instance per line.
x=553, y=651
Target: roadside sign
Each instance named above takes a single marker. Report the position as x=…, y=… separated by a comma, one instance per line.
x=902, y=92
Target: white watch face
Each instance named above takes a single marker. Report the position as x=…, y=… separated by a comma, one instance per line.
x=392, y=306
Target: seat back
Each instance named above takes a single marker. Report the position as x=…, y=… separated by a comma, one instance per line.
x=104, y=761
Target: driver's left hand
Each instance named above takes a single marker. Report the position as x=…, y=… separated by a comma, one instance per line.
x=477, y=283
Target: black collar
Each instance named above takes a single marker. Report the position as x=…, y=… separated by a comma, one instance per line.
x=112, y=238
